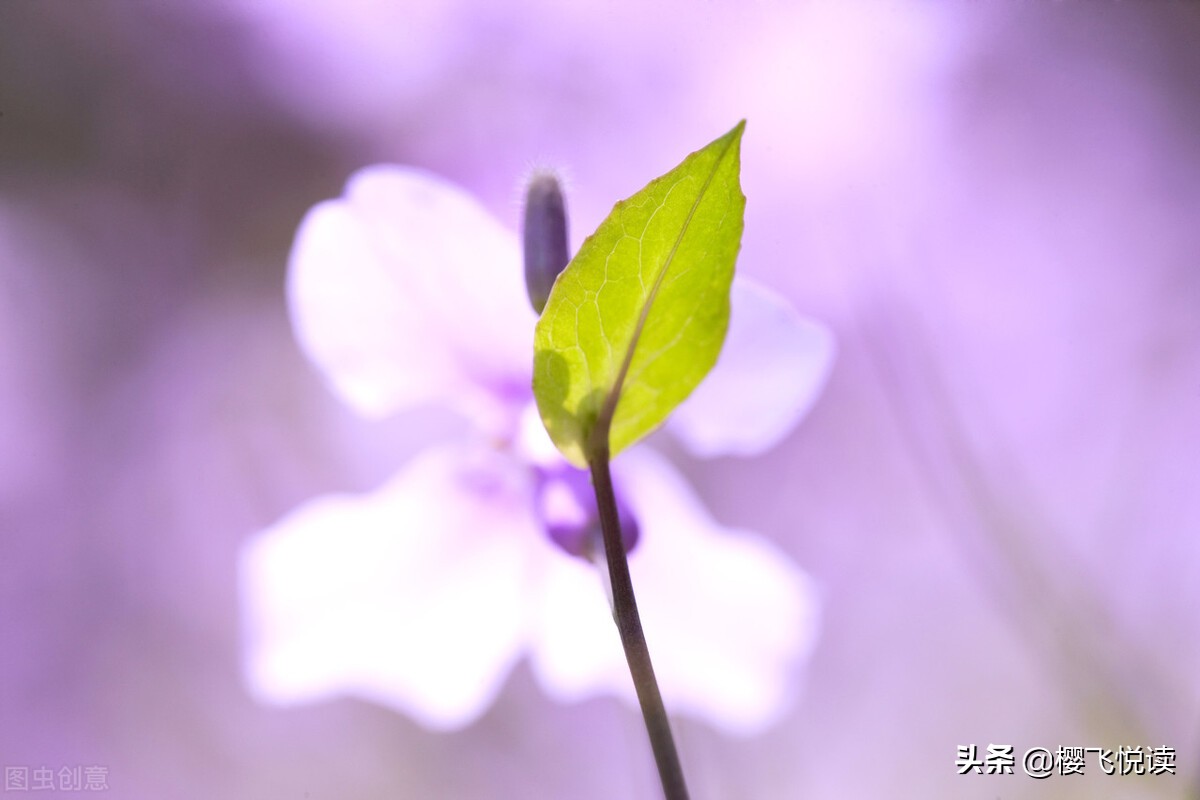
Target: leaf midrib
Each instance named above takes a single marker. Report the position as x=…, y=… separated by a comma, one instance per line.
x=603, y=424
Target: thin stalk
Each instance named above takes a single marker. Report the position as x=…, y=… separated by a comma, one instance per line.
x=629, y=624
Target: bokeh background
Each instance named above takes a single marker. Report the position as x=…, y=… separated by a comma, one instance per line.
x=995, y=206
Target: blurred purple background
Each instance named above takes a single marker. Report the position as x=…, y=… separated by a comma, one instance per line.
x=995, y=206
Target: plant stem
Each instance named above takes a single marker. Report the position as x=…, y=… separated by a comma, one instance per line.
x=629, y=624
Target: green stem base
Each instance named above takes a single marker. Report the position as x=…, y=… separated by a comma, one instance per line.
x=629, y=624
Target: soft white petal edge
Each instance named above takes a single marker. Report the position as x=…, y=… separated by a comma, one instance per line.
x=728, y=618
x=772, y=368
x=413, y=596
x=407, y=291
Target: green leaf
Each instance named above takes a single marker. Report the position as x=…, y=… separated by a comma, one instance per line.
x=637, y=319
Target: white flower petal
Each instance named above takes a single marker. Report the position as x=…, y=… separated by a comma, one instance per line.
x=727, y=617
x=413, y=596
x=406, y=291
x=771, y=371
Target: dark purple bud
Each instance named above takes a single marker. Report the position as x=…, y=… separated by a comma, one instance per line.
x=545, y=234
x=566, y=504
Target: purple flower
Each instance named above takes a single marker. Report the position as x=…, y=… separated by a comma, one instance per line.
x=423, y=594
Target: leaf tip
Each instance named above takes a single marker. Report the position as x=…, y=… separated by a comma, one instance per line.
x=735, y=133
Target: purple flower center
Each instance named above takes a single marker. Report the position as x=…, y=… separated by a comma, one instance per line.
x=566, y=504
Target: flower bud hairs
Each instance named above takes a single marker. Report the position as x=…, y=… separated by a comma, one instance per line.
x=544, y=230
